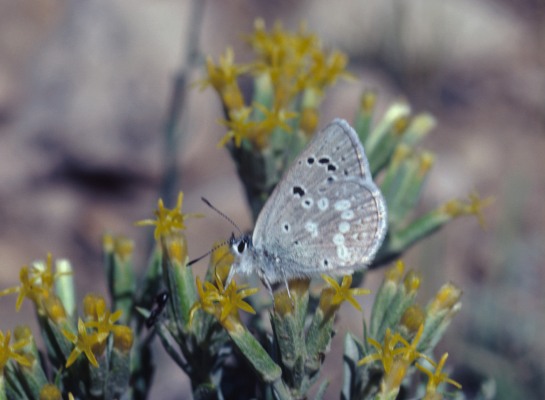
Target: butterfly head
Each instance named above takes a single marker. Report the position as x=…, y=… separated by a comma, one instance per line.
x=242, y=248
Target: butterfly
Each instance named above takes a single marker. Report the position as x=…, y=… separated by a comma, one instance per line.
x=326, y=215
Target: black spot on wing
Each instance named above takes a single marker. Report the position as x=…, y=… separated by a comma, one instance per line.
x=298, y=191
x=323, y=160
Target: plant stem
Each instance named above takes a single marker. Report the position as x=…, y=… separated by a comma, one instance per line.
x=172, y=129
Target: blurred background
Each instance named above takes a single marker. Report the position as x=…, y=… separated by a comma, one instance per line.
x=85, y=89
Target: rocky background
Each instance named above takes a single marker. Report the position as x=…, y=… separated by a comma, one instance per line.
x=84, y=92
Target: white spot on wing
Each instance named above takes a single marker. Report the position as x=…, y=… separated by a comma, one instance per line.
x=323, y=204
x=341, y=205
x=347, y=214
x=312, y=228
x=344, y=227
x=338, y=239
x=343, y=253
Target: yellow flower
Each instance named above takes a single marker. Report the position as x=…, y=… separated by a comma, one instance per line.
x=123, y=248
x=413, y=317
x=208, y=295
x=232, y=97
x=275, y=118
x=223, y=74
x=8, y=352
x=239, y=127
x=395, y=273
x=54, y=308
x=446, y=298
x=100, y=317
x=409, y=351
x=437, y=377
x=343, y=291
x=45, y=276
x=221, y=260
x=26, y=289
x=386, y=352
x=395, y=359
x=168, y=221
x=84, y=343
x=223, y=78
x=36, y=284
x=474, y=206
x=325, y=70
x=232, y=299
x=222, y=302
x=269, y=120
x=123, y=338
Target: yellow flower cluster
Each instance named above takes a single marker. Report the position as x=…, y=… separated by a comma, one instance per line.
x=291, y=71
x=36, y=285
x=223, y=302
x=294, y=61
x=396, y=355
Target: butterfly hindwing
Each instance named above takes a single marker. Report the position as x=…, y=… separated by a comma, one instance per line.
x=326, y=214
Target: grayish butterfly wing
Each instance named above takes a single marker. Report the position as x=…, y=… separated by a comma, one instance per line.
x=326, y=214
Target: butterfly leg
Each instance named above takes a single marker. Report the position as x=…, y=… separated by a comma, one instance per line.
x=287, y=288
x=287, y=284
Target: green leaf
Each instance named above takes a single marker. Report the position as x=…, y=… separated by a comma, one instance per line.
x=256, y=355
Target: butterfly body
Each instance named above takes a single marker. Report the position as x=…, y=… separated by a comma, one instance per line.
x=326, y=215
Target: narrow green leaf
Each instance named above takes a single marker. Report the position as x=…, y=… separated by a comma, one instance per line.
x=256, y=355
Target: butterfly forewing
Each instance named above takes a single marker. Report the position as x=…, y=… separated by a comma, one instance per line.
x=326, y=214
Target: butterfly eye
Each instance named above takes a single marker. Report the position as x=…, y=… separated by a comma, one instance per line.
x=241, y=246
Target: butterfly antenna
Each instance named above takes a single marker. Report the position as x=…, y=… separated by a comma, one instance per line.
x=224, y=243
x=222, y=214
